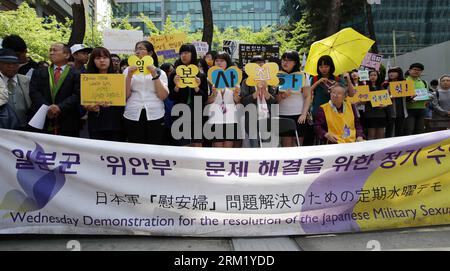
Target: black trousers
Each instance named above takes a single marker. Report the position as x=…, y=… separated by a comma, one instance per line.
x=144, y=131
x=118, y=136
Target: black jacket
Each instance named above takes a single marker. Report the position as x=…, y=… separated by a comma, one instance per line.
x=67, y=98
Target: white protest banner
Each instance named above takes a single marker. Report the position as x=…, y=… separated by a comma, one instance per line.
x=121, y=41
x=62, y=185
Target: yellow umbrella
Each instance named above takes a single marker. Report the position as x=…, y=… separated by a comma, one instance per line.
x=347, y=48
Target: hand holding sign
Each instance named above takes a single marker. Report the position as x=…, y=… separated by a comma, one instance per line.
x=187, y=76
x=141, y=64
x=268, y=73
x=229, y=78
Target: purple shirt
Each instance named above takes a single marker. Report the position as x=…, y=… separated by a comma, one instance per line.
x=321, y=128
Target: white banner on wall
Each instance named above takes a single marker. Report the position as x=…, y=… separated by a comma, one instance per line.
x=62, y=185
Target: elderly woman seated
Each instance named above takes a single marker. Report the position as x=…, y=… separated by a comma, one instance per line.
x=336, y=121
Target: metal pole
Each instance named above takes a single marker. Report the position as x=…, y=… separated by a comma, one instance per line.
x=394, y=43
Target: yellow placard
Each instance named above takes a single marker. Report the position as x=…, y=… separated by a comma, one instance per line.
x=359, y=98
x=168, y=42
x=362, y=89
x=361, y=95
x=103, y=88
x=268, y=73
x=228, y=78
x=402, y=89
x=188, y=75
x=380, y=98
x=141, y=64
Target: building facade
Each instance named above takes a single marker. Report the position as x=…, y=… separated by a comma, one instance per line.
x=416, y=23
x=60, y=8
x=232, y=13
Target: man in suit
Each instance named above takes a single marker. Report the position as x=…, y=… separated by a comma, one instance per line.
x=16, y=84
x=58, y=86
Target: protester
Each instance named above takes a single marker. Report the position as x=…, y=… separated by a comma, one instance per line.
x=441, y=105
x=104, y=122
x=58, y=87
x=262, y=97
x=80, y=54
x=18, y=45
x=399, y=112
x=294, y=104
x=144, y=111
x=187, y=95
x=375, y=118
x=222, y=109
x=17, y=86
x=415, y=123
x=115, y=63
x=336, y=121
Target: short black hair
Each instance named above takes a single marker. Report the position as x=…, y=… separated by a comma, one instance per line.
x=14, y=42
x=417, y=65
x=257, y=58
x=326, y=60
x=225, y=56
x=115, y=55
x=434, y=82
x=166, y=67
x=294, y=56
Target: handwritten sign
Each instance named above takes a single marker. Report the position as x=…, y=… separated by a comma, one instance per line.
x=141, y=64
x=168, y=43
x=402, y=89
x=293, y=81
x=363, y=75
x=268, y=72
x=422, y=94
x=103, y=88
x=201, y=47
x=188, y=75
x=121, y=41
x=372, y=61
x=228, y=78
x=361, y=95
x=380, y=98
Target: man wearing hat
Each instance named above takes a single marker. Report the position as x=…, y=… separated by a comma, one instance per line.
x=17, y=85
x=415, y=123
x=80, y=55
x=58, y=86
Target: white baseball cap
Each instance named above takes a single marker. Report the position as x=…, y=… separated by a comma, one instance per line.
x=79, y=47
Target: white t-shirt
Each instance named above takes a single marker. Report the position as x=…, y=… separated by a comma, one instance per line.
x=293, y=104
x=143, y=96
x=223, y=110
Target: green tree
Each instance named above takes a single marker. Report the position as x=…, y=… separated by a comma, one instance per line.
x=37, y=32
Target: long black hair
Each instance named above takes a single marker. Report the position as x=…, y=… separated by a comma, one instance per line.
x=188, y=47
x=98, y=52
x=399, y=71
x=326, y=60
x=293, y=56
x=150, y=49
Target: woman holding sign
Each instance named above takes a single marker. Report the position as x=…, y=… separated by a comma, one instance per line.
x=146, y=87
x=375, y=117
x=294, y=97
x=188, y=87
x=222, y=102
x=104, y=122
